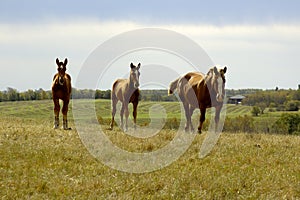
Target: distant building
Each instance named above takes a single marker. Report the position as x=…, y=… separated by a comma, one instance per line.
x=237, y=99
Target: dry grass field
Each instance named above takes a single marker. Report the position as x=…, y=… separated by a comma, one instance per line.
x=38, y=162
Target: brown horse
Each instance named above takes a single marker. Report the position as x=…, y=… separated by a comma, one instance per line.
x=126, y=91
x=197, y=90
x=61, y=89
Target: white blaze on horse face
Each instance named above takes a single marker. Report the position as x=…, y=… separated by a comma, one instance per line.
x=220, y=89
x=60, y=74
x=137, y=78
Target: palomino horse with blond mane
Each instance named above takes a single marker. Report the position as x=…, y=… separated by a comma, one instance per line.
x=61, y=89
x=126, y=91
x=197, y=90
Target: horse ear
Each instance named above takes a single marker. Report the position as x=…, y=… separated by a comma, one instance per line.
x=131, y=65
x=216, y=70
x=66, y=62
x=225, y=69
x=57, y=61
x=139, y=65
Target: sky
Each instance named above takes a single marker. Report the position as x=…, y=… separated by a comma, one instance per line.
x=259, y=41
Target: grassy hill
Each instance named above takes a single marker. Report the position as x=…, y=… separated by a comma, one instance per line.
x=38, y=162
x=44, y=108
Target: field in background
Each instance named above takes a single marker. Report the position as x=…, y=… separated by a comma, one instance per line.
x=39, y=162
x=238, y=117
x=44, y=108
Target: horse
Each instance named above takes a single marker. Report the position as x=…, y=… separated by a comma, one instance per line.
x=197, y=90
x=126, y=91
x=61, y=89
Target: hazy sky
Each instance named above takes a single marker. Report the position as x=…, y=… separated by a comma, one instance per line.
x=259, y=41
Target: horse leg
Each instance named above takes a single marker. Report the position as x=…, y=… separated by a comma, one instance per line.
x=217, y=117
x=121, y=116
x=191, y=113
x=113, y=113
x=202, y=119
x=134, y=113
x=56, y=113
x=187, y=116
x=65, y=111
x=126, y=116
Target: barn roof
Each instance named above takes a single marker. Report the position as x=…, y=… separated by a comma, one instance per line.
x=237, y=97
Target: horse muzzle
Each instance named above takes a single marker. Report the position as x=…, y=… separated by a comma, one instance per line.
x=220, y=98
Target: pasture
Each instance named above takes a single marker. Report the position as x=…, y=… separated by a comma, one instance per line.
x=38, y=162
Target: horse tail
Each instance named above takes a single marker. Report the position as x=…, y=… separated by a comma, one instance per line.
x=113, y=95
x=173, y=86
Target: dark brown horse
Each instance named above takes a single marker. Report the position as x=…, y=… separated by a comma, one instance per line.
x=197, y=90
x=126, y=91
x=61, y=89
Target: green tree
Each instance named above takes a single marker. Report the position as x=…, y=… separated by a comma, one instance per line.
x=292, y=105
x=107, y=94
x=287, y=123
x=255, y=111
x=262, y=106
x=12, y=94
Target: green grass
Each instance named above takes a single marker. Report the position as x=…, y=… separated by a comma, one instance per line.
x=235, y=110
x=38, y=162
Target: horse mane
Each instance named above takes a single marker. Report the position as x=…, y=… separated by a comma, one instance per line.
x=131, y=84
x=208, y=78
x=55, y=76
x=114, y=85
x=68, y=76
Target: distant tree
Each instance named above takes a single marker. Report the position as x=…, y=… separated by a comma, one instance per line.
x=31, y=95
x=144, y=97
x=98, y=94
x=255, y=111
x=287, y=123
x=262, y=106
x=107, y=94
x=296, y=95
x=43, y=94
x=12, y=94
x=3, y=96
x=292, y=105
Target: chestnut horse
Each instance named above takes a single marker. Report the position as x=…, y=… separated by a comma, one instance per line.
x=61, y=89
x=197, y=90
x=126, y=91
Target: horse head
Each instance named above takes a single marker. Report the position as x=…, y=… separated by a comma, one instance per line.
x=218, y=82
x=61, y=68
x=135, y=75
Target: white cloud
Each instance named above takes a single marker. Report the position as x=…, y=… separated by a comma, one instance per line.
x=247, y=49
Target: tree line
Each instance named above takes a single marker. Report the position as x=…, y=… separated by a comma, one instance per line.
x=11, y=94
x=273, y=99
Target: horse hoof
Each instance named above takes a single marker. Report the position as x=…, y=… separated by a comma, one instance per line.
x=55, y=127
x=199, y=131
